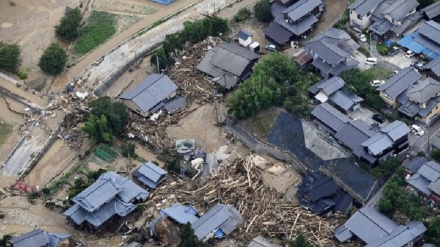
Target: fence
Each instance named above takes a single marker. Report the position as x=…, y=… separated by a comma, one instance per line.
x=264, y=148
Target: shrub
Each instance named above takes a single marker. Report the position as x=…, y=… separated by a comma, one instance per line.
x=242, y=15
x=435, y=153
x=68, y=29
x=383, y=49
x=9, y=57
x=53, y=60
x=22, y=74
x=128, y=150
x=262, y=11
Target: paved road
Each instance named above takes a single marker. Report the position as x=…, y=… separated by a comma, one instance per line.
x=421, y=143
x=382, y=62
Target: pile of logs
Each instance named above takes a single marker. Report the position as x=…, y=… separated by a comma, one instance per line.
x=264, y=211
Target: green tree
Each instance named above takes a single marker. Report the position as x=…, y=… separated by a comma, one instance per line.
x=4, y=241
x=98, y=129
x=115, y=113
x=242, y=15
x=262, y=11
x=424, y=3
x=9, y=57
x=299, y=241
x=128, y=149
x=53, y=60
x=68, y=29
x=188, y=238
x=432, y=235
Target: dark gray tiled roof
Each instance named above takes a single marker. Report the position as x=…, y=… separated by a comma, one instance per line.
x=400, y=82
x=432, y=11
x=330, y=116
x=331, y=85
x=301, y=8
x=328, y=52
x=345, y=100
x=277, y=33
x=243, y=34
x=429, y=107
x=424, y=90
x=362, y=7
x=381, y=27
x=150, y=174
x=175, y=104
x=297, y=28
x=352, y=137
x=435, y=187
x=276, y=9
x=401, y=236
x=150, y=91
x=414, y=164
x=314, y=89
x=386, y=137
x=400, y=8
x=430, y=30
x=420, y=183
x=227, y=63
x=378, y=12
x=181, y=213
x=221, y=216
x=259, y=241
x=38, y=237
x=407, y=22
x=434, y=65
x=396, y=130
x=319, y=63
x=368, y=224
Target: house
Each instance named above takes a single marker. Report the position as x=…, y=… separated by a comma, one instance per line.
x=414, y=165
x=297, y=19
x=433, y=68
x=228, y=64
x=109, y=196
x=321, y=194
x=397, y=84
x=219, y=221
x=329, y=119
x=175, y=104
x=331, y=52
x=40, y=238
x=432, y=12
x=384, y=18
x=345, y=101
x=353, y=134
x=391, y=139
x=322, y=90
x=244, y=38
x=421, y=101
x=182, y=214
x=426, y=182
x=425, y=41
x=302, y=58
x=259, y=241
x=150, y=174
x=149, y=93
x=164, y=2
x=376, y=230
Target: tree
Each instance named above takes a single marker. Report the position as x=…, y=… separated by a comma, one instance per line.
x=299, y=241
x=128, y=150
x=68, y=29
x=97, y=128
x=115, y=113
x=432, y=235
x=188, y=238
x=53, y=60
x=262, y=11
x=9, y=57
x=424, y=3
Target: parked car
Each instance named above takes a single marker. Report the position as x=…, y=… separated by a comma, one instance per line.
x=410, y=54
x=417, y=130
x=361, y=37
x=377, y=83
x=418, y=65
x=271, y=47
x=378, y=118
x=371, y=61
x=392, y=74
x=393, y=51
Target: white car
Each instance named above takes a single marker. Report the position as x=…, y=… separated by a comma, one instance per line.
x=417, y=130
x=410, y=54
x=377, y=83
x=361, y=37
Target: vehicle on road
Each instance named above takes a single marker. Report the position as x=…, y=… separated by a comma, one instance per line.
x=378, y=118
x=361, y=37
x=418, y=65
x=410, y=54
x=371, y=61
x=417, y=130
x=393, y=51
x=377, y=83
x=271, y=47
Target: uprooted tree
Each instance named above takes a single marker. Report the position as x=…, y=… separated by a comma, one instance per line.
x=299, y=241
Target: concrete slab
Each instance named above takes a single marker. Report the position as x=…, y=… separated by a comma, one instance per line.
x=365, y=115
x=277, y=169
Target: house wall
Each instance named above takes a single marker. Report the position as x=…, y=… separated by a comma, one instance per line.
x=387, y=100
x=431, y=116
x=246, y=42
x=246, y=72
x=322, y=126
x=132, y=106
x=362, y=23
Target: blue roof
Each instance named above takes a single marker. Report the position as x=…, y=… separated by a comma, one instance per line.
x=244, y=35
x=181, y=213
x=150, y=174
x=38, y=237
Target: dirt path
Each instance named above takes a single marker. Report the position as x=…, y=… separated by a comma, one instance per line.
x=32, y=98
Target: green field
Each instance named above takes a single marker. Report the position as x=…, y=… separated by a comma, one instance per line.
x=99, y=28
x=5, y=131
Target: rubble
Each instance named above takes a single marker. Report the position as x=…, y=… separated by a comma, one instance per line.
x=264, y=210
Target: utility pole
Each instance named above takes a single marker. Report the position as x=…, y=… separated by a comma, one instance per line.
x=157, y=64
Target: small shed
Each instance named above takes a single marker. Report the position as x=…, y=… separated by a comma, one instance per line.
x=255, y=46
x=150, y=174
x=244, y=38
x=164, y=2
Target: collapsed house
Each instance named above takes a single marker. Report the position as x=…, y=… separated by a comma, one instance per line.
x=228, y=64
x=150, y=174
x=40, y=238
x=110, y=196
x=376, y=230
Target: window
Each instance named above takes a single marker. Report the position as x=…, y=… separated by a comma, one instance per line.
x=359, y=17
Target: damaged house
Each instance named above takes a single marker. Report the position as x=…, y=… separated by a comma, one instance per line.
x=150, y=174
x=110, y=196
x=228, y=64
x=40, y=238
x=425, y=182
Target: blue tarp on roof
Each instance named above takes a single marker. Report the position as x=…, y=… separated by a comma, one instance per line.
x=430, y=53
x=409, y=42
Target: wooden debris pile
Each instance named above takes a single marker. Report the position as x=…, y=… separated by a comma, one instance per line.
x=264, y=211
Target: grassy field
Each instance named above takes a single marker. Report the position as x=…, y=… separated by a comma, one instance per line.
x=5, y=131
x=262, y=123
x=379, y=72
x=37, y=84
x=100, y=27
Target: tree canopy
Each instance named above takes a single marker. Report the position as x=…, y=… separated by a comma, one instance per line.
x=68, y=29
x=9, y=57
x=53, y=60
x=97, y=128
x=275, y=81
x=299, y=241
x=262, y=11
x=115, y=113
x=188, y=238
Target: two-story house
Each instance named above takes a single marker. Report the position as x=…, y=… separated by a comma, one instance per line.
x=296, y=20
x=361, y=11
x=397, y=84
x=421, y=101
x=425, y=41
x=331, y=51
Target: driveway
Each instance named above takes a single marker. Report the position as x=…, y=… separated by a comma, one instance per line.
x=365, y=115
x=421, y=143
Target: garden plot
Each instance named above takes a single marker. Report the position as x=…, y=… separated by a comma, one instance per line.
x=130, y=7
